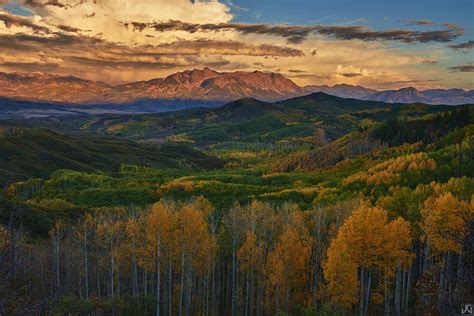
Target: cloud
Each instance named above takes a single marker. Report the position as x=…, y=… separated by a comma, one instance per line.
x=138, y=40
x=298, y=33
x=429, y=61
x=13, y=20
x=226, y=48
x=462, y=68
x=40, y=3
x=462, y=46
x=418, y=22
x=350, y=71
x=297, y=71
x=102, y=17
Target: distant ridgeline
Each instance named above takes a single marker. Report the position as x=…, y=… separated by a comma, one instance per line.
x=430, y=129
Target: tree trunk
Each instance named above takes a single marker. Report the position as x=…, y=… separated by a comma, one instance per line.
x=86, y=266
x=386, y=297
x=361, y=294
x=57, y=266
x=367, y=291
x=247, y=294
x=234, y=272
x=98, y=277
x=112, y=268
x=135, y=269
x=158, y=275
x=181, y=290
x=118, y=278
x=407, y=294
x=397, y=292
x=170, y=289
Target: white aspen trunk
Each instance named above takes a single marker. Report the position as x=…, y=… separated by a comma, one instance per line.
x=86, y=266
x=170, y=289
x=158, y=280
x=367, y=290
x=402, y=294
x=112, y=268
x=213, y=286
x=234, y=272
x=287, y=291
x=57, y=266
x=98, y=277
x=181, y=290
x=68, y=272
x=135, y=269
x=397, y=292
x=386, y=298
x=247, y=297
x=145, y=282
x=118, y=278
x=459, y=274
x=361, y=294
x=407, y=294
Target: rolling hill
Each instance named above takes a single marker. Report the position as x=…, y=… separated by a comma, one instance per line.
x=298, y=120
x=33, y=152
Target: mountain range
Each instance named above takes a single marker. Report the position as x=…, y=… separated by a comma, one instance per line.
x=203, y=85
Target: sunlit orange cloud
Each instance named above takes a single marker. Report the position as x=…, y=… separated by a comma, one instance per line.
x=125, y=40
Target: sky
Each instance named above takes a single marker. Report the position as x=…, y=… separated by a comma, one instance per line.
x=377, y=44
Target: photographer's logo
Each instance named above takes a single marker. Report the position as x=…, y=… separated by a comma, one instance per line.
x=467, y=309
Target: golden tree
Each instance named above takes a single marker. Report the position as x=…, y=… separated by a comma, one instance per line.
x=287, y=267
x=366, y=244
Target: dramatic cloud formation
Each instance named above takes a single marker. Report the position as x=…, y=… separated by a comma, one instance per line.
x=10, y=20
x=297, y=33
x=144, y=39
x=463, y=68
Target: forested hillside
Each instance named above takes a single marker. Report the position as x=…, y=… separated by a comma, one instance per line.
x=27, y=152
x=311, y=206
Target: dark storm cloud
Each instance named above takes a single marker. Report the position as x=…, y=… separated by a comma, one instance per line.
x=66, y=43
x=57, y=40
x=462, y=68
x=298, y=33
x=227, y=48
x=462, y=46
x=13, y=20
x=77, y=51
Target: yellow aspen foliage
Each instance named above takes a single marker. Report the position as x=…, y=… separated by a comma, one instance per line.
x=340, y=271
x=159, y=235
x=249, y=253
x=287, y=265
x=445, y=220
x=366, y=240
x=388, y=172
x=192, y=235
